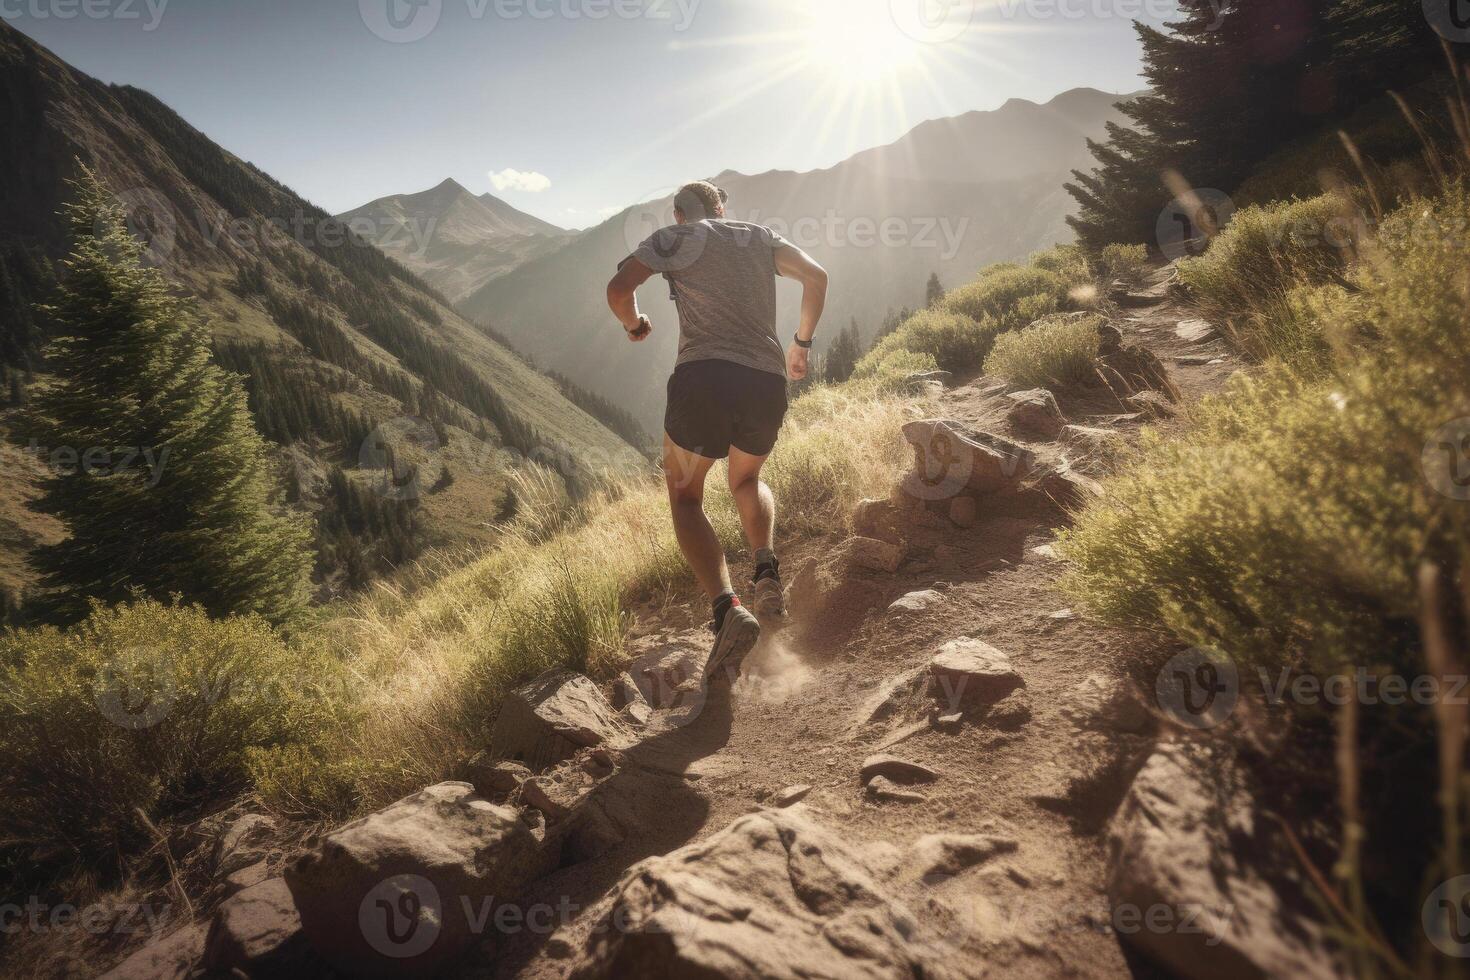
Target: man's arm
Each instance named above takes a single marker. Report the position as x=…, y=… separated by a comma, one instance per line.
x=793, y=263
x=622, y=298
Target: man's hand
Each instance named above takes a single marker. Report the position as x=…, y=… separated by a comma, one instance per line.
x=640, y=332
x=796, y=361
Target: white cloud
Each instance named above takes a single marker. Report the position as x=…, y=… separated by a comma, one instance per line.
x=517, y=180
x=608, y=212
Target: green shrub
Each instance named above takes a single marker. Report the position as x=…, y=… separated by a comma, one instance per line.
x=887, y=368
x=142, y=707
x=1067, y=261
x=1124, y=262
x=1011, y=297
x=1050, y=353
x=1262, y=256
x=1291, y=520
x=955, y=342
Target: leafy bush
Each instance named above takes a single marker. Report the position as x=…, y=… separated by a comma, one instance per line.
x=888, y=369
x=956, y=342
x=1263, y=255
x=1011, y=297
x=142, y=707
x=1292, y=519
x=1124, y=262
x=1050, y=353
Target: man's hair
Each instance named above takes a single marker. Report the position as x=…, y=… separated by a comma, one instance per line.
x=699, y=200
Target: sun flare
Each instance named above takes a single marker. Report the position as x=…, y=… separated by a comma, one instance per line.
x=854, y=42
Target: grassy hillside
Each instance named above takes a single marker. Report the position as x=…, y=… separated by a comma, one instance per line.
x=345, y=349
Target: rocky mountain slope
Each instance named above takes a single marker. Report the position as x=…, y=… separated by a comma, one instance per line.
x=351, y=360
x=950, y=197
x=455, y=241
x=934, y=768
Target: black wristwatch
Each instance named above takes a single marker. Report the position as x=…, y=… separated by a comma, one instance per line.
x=807, y=344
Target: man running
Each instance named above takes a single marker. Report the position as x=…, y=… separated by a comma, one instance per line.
x=727, y=396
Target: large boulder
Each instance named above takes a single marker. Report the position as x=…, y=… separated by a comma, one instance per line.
x=1035, y=413
x=951, y=458
x=1198, y=877
x=552, y=717
x=772, y=896
x=968, y=673
x=258, y=933
x=399, y=892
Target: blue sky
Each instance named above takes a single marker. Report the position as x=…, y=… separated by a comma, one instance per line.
x=601, y=102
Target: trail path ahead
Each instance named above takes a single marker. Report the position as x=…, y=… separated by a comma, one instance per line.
x=801, y=716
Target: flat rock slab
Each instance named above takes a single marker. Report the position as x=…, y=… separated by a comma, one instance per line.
x=548, y=719
x=916, y=602
x=774, y=896
x=872, y=554
x=386, y=894
x=666, y=670
x=950, y=458
x=258, y=932
x=885, y=790
x=791, y=795
x=968, y=672
x=897, y=769
x=1195, y=331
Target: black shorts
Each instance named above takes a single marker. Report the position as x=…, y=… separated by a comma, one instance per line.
x=714, y=405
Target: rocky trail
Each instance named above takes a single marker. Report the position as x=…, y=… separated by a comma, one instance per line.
x=934, y=769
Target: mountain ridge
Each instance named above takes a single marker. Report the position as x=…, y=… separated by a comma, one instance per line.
x=454, y=239
x=951, y=218
x=344, y=351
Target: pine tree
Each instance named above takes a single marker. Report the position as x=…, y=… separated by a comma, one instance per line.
x=843, y=355
x=934, y=292
x=159, y=476
x=1230, y=84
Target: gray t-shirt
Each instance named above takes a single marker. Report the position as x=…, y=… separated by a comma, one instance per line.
x=724, y=284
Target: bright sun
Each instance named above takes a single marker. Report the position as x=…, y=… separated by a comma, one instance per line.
x=854, y=41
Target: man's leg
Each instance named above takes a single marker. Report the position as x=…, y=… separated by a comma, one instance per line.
x=684, y=473
x=753, y=499
x=757, y=508
x=736, y=629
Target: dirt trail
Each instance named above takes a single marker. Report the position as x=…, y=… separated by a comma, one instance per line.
x=794, y=719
